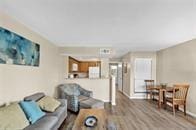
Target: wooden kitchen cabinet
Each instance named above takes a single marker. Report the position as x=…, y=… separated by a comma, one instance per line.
x=84, y=66
x=94, y=64
x=71, y=62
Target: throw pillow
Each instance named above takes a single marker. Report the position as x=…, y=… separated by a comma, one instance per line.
x=2, y=105
x=12, y=117
x=48, y=104
x=32, y=110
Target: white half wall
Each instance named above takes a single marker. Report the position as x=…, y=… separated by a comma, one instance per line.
x=100, y=87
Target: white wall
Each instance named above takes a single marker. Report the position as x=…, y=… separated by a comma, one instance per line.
x=100, y=87
x=135, y=55
x=128, y=78
x=178, y=65
x=17, y=81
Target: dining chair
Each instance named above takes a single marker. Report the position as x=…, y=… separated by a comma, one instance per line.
x=179, y=96
x=149, y=91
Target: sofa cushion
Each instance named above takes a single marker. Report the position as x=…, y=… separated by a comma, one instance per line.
x=12, y=117
x=58, y=112
x=32, y=110
x=48, y=104
x=63, y=102
x=2, y=105
x=45, y=123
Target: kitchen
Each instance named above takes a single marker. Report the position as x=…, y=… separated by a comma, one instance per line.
x=83, y=68
x=91, y=73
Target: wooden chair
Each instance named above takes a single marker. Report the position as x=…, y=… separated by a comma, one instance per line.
x=149, y=91
x=179, y=96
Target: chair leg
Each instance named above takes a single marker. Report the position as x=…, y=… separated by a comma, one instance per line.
x=165, y=106
x=174, y=110
x=150, y=95
x=177, y=107
x=146, y=95
x=185, y=109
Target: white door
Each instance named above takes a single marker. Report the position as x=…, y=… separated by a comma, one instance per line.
x=143, y=71
x=120, y=77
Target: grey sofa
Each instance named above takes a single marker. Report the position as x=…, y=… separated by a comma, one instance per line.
x=78, y=97
x=51, y=121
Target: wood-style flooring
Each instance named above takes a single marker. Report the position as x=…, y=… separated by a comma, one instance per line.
x=140, y=114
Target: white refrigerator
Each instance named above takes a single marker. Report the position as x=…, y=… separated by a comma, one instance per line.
x=94, y=72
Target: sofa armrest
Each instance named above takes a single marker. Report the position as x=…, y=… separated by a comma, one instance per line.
x=85, y=92
x=61, y=93
x=63, y=102
x=72, y=102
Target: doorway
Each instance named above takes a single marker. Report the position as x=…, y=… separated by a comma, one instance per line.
x=116, y=70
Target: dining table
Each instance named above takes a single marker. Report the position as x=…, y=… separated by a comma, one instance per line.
x=161, y=93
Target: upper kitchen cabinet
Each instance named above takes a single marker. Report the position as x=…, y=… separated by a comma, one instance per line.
x=94, y=64
x=84, y=66
x=73, y=65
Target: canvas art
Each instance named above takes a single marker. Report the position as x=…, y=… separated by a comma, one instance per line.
x=18, y=50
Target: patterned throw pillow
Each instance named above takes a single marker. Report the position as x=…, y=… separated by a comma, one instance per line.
x=48, y=104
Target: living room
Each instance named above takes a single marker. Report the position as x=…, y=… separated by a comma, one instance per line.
x=155, y=37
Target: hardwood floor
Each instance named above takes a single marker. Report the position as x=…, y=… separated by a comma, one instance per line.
x=142, y=115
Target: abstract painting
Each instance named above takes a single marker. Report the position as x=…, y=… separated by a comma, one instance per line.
x=18, y=50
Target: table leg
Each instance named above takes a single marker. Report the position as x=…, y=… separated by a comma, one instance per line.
x=159, y=102
x=164, y=99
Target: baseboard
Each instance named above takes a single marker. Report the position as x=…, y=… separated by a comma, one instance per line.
x=113, y=104
x=188, y=112
x=134, y=97
x=137, y=97
x=106, y=101
x=126, y=95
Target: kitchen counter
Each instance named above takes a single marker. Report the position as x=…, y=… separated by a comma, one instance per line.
x=85, y=78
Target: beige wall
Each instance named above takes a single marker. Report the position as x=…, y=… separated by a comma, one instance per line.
x=178, y=65
x=105, y=68
x=84, y=51
x=100, y=87
x=17, y=81
x=126, y=59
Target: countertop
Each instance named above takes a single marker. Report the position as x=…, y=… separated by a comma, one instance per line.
x=85, y=78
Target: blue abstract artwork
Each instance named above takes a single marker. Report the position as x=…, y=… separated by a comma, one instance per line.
x=18, y=50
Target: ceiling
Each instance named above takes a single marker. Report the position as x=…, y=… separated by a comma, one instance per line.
x=126, y=25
